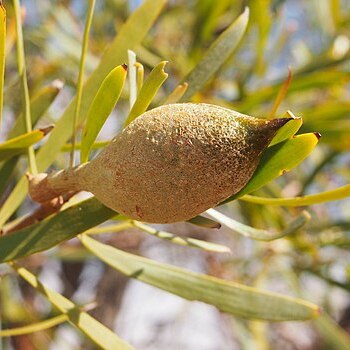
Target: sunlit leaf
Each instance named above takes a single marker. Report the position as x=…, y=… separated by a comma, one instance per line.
x=287, y=130
x=279, y=159
x=259, y=234
x=216, y=55
x=177, y=94
x=227, y=296
x=20, y=144
x=94, y=330
x=327, y=196
x=35, y=327
x=101, y=107
x=149, y=89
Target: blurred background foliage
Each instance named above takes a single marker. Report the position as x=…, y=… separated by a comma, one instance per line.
x=311, y=38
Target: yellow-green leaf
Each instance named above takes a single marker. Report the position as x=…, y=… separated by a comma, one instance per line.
x=227, y=296
x=216, y=55
x=101, y=107
x=149, y=89
x=327, y=196
x=277, y=160
x=35, y=327
x=94, y=330
x=19, y=144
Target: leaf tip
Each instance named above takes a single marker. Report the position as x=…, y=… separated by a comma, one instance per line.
x=45, y=130
x=125, y=66
x=318, y=135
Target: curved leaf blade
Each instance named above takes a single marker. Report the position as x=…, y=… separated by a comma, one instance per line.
x=20, y=144
x=149, y=89
x=53, y=230
x=216, y=55
x=227, y=296
x=35, y=327
x=277, y=160
x=94, y=330
x=101, y=107
x=327, y=196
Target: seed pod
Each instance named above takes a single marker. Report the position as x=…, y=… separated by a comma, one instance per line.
x=170, y=164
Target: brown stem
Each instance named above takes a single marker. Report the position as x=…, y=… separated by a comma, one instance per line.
x=46, y=209
x=44, y=187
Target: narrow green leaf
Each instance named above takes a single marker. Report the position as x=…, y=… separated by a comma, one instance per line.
x=327, y=196
x=35, y=327
x=129, y=36
x=101, y=107
x=176, y=95
x=149, y=89
x=2, y=55
x=216, y=55
x=53, y=230
x=204, y=222
x=287, y=130
x=22, y=72
x=38, y=106
x=185, y=241
x=258, y=234
x=20, y=144
x=79, y=93
x=277, y=160
x=6, y=170
x=335, y=337
x=94, y=330
x=227, y=296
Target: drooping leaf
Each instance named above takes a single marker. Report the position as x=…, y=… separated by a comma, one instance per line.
x=227, y=296
x=129, y=36
x=185, y=241
x=53, y=230
x=2, y=55
x=20, y=144
x=149, y=89
x=94, y=330
x=279, y=159
x=259, y=234
x=216, y=55
x=101, y=107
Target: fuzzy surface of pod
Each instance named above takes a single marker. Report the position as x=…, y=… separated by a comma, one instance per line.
x=171, y=163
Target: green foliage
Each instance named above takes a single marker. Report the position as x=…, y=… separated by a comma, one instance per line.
x=216, y=54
